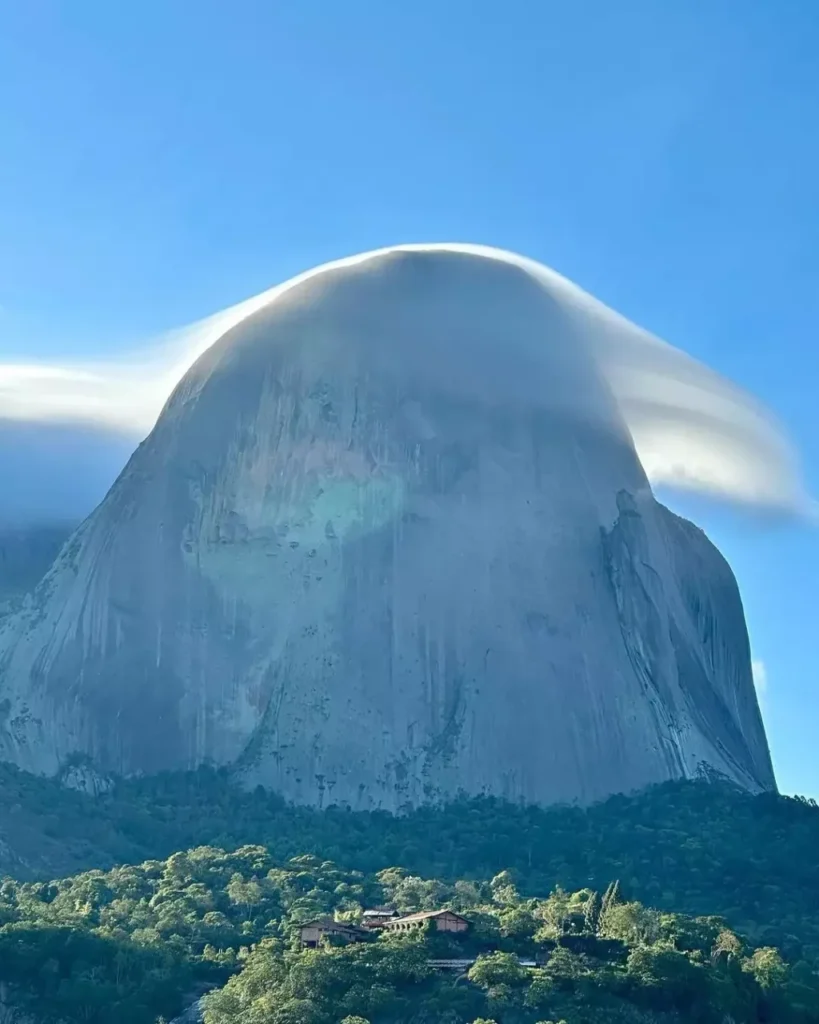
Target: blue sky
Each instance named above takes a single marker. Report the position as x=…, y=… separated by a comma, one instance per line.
x=161, y=160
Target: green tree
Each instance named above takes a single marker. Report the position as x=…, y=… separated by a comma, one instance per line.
x=499, y=968
x=591, y=914
x=767, y=968
x=666, y=977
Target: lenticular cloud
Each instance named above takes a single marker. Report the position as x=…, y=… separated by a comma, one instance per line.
x=692, y=428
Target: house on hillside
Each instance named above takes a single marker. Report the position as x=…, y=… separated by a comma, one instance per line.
x=377, y=917
x=312, y=932
x=442, y=921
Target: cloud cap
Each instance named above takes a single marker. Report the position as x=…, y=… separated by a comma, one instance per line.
x=692, y=428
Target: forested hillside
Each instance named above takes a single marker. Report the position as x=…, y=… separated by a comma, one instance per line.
x=715, y=917
x=134, y=943
x=691, y=847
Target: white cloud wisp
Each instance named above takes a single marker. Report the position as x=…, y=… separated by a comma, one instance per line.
x=692, y=428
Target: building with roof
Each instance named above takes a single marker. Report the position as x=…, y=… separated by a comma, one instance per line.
x=377, y=917
x=442, y=921
x=311, y=933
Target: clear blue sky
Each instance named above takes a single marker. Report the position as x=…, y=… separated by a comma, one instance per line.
x=162, y=159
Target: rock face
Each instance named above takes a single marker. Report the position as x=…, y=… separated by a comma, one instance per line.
x=390, y=541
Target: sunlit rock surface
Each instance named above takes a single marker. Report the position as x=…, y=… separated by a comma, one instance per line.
x=389, y=542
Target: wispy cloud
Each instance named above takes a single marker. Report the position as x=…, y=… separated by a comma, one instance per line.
x=692, y=428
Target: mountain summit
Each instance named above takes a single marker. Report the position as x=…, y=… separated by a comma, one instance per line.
x=390, y=541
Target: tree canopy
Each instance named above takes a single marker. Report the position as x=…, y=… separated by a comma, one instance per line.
x=677, y=904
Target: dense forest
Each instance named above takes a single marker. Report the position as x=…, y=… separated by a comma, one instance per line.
x=134, y=943
x=196, y=886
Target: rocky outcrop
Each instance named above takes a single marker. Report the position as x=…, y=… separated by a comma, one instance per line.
x=82, y=776
x=681, y=619
x=390, y=541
